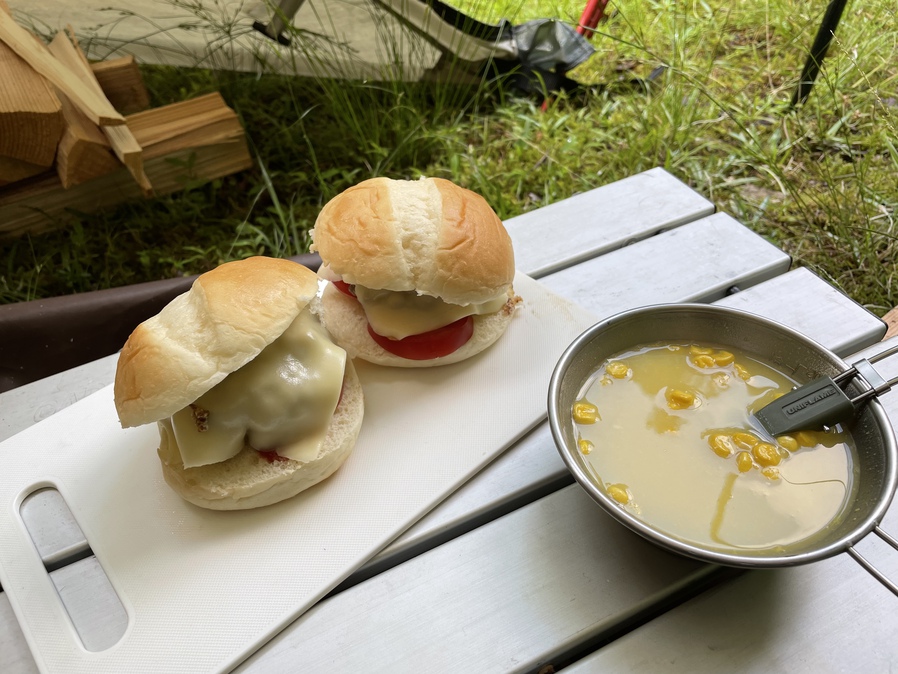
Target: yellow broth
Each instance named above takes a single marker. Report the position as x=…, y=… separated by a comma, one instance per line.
x=665, y=430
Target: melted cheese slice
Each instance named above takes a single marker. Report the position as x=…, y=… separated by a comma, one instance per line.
x=399, y=314
x=282, y=400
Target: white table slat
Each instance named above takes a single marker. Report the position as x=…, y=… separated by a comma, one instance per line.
x=696, y=262
x=824, y=617
x=593, y=223
x=818, y=318
x=26, y=405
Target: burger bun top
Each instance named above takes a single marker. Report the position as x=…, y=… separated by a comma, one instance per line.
x=224, y=321
x=427, y=235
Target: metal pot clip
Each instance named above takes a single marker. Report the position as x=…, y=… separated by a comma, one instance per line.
x=822, y=402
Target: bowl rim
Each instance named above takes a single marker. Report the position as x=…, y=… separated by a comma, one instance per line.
x=662, y=538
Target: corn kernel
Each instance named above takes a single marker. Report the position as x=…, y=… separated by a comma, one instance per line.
x=805, y=438
x=679, y=400
x=617, y=369
x=722, y=445
x=585, y=446
x=766, y=454
x=704, y=361
x=619, y=493
x=787, y=442
x=745, y=440
x=741, y=372
x=697, y=350
x=771, y=473
x=585, y=412
x=722, y=379
x=723, y=358
x=744, y=462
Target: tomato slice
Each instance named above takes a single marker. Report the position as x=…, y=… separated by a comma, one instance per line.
x=344, y=288
x=427, y=345
x=423, y=346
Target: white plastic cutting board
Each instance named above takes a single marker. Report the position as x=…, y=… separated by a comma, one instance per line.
x=204, y=589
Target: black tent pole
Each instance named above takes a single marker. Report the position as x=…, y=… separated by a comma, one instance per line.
x=818, y=51
x=285, y=10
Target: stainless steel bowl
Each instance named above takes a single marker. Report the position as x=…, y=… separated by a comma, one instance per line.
x=793, y=353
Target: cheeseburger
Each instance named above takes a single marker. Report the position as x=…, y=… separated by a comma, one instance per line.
x=253, y=401
x=421, y=272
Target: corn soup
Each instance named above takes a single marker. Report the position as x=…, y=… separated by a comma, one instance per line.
x=665, y=430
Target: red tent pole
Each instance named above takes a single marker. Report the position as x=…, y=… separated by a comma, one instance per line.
x=592, y=14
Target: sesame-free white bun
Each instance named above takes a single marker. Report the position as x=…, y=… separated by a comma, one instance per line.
x=226, y=319
x=343, y=317
x=427, y=235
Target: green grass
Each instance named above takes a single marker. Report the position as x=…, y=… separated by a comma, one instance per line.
x=821, y=181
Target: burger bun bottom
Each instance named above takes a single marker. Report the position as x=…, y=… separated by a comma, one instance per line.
x=249, y=480
x=344, y=318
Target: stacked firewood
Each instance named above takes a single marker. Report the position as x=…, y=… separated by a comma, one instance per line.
x=71, y=137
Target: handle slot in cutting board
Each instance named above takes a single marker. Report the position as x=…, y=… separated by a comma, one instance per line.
x=97, y=616
x=53, y=528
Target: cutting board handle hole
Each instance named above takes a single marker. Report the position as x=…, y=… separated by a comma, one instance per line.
x=85, y=591
x=53, y=528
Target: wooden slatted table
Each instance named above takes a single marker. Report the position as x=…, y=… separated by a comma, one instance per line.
x=519, y=569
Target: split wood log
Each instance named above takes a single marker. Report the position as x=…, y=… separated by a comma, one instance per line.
x=170, y=128
x=97, y=108
x=31, y=120
x=122, y=83
x=13, y=170
x=123, y=143
x=184, y=144
x=84, y=152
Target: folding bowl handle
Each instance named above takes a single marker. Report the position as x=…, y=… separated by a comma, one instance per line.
x=872, y=570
